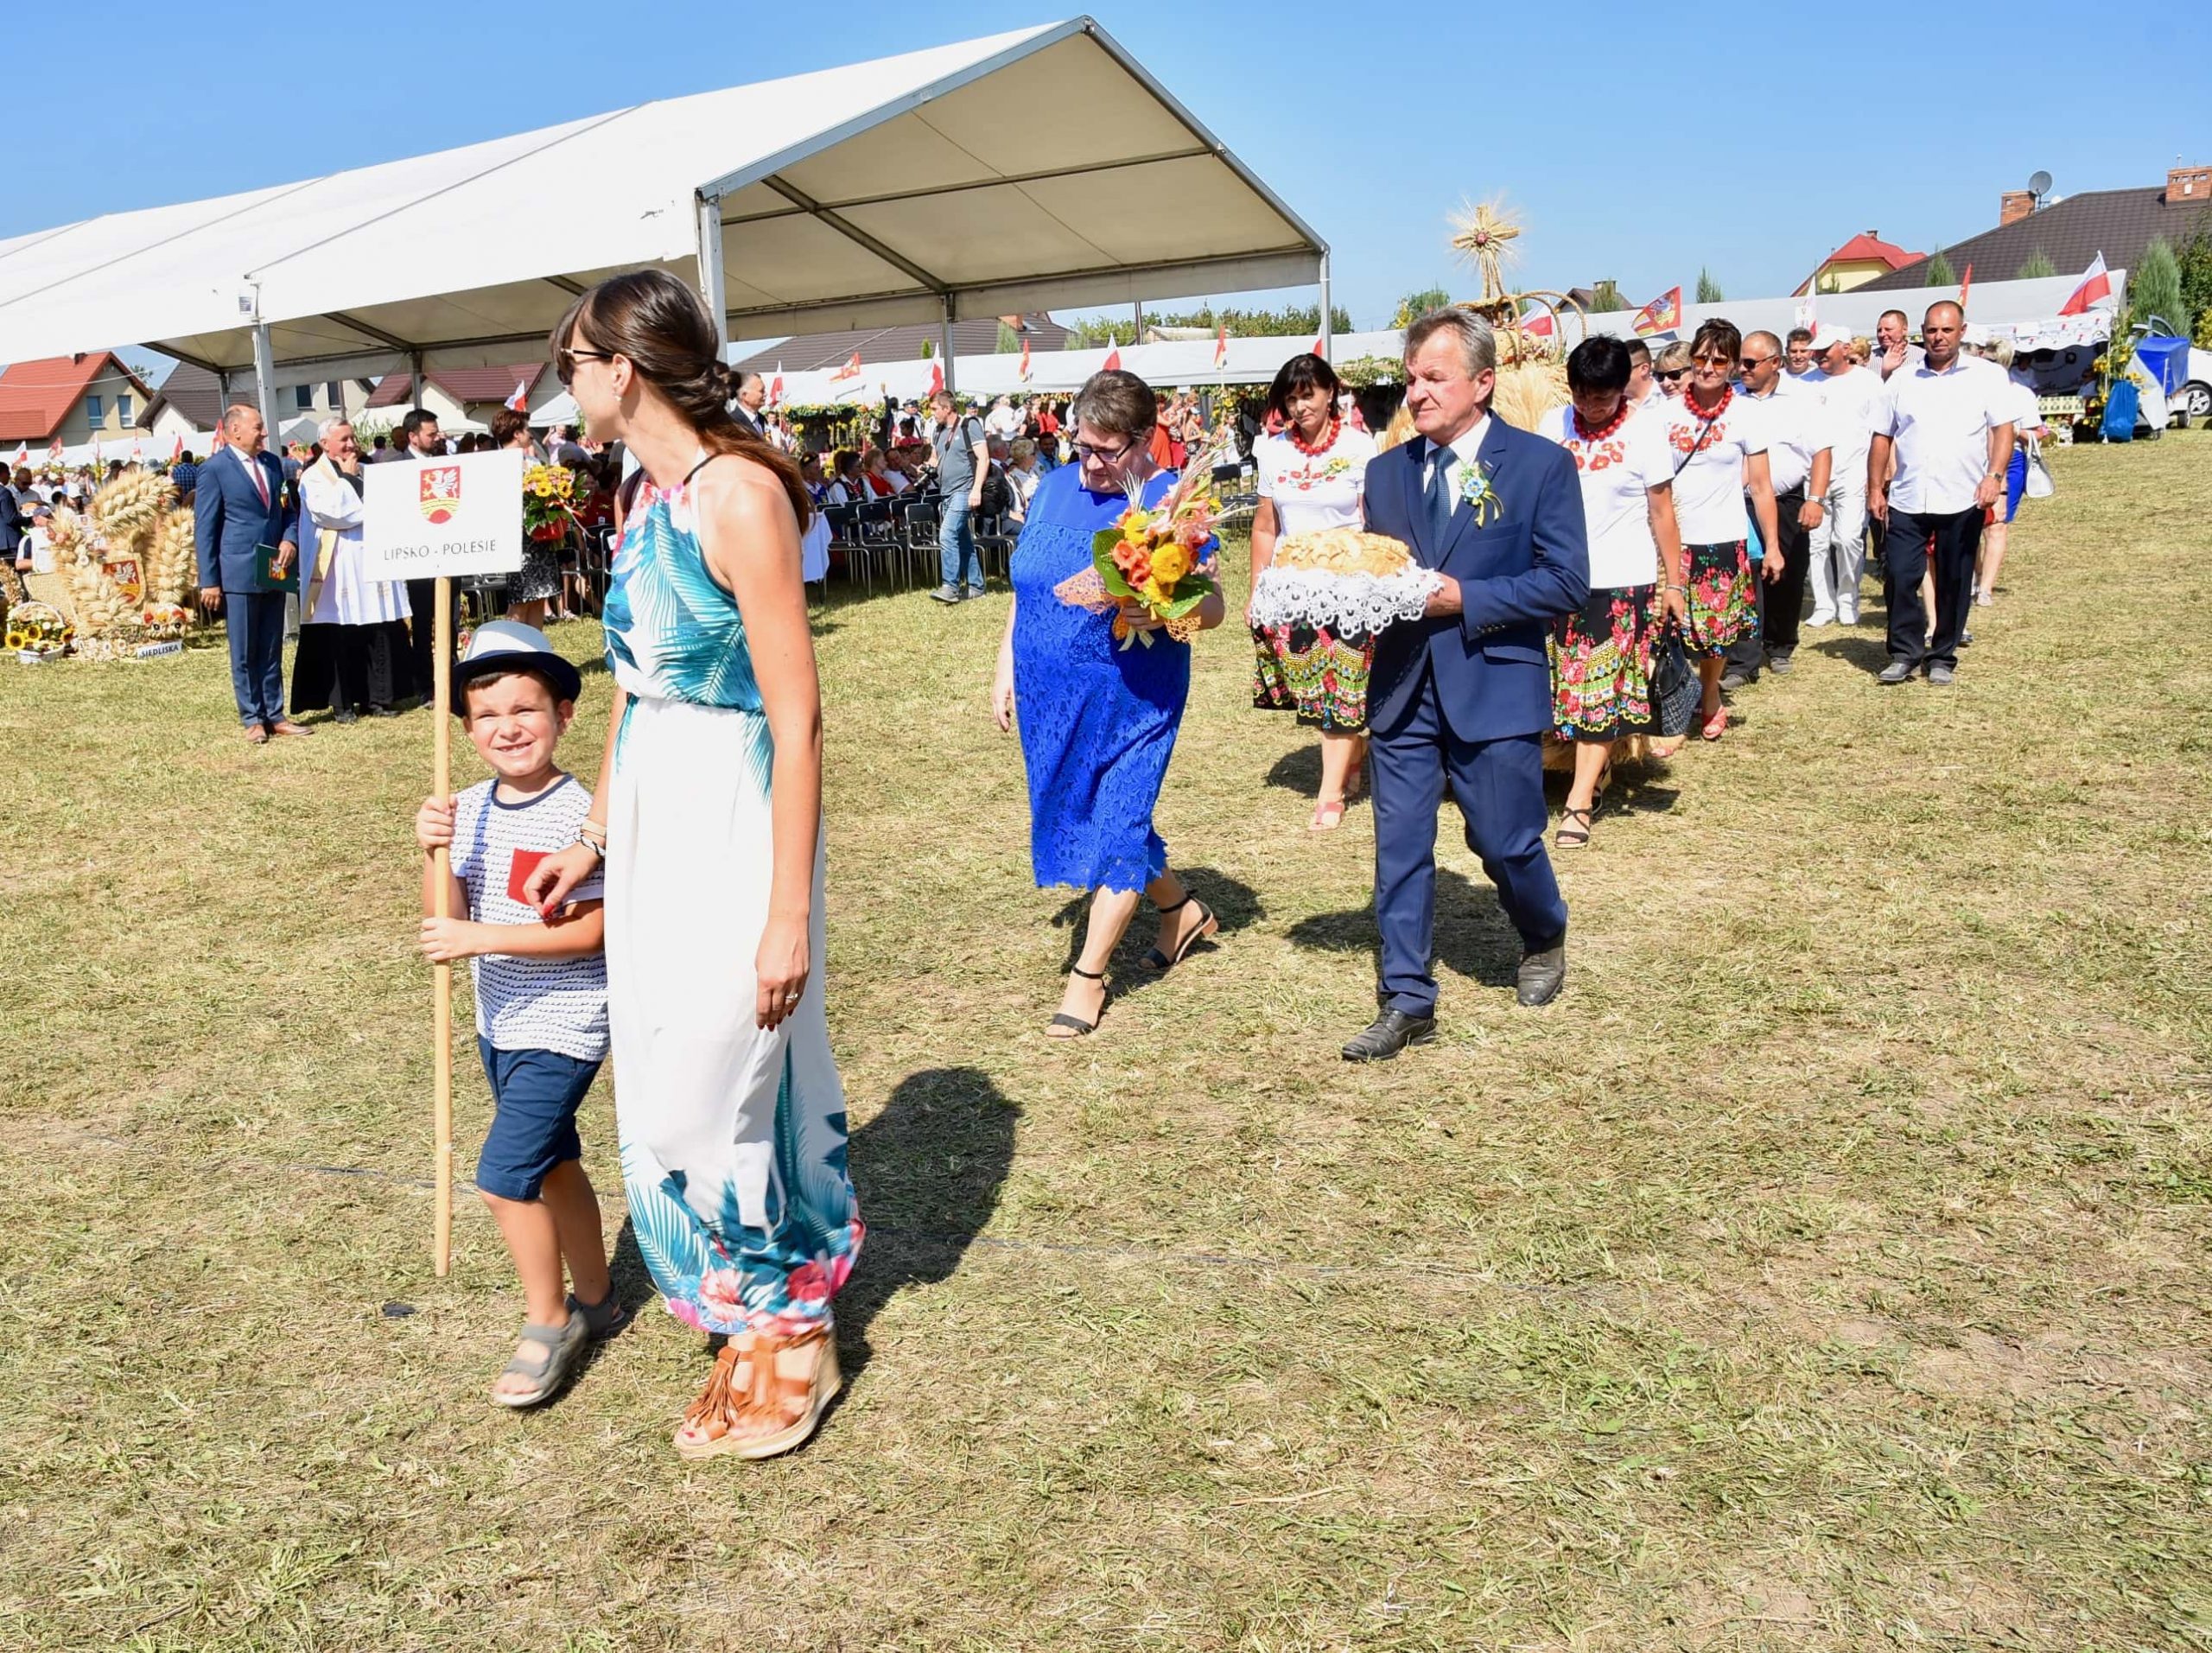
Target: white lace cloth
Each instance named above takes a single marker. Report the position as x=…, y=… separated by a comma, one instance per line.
x=1341, y=602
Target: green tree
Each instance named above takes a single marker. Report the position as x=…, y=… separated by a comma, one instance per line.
x=1009, y=342
x=2196, y=282
x=1709, y=290
x=1414, y=306
x=2154, y=286
x=1605, y=297
x=1939, y=272
x=929, y=348
x=2038, y=265
x=1092, y=331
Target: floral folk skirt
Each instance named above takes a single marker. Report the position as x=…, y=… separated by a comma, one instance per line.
x=1602, y=662
x=1319, y=675
x=1723, y=602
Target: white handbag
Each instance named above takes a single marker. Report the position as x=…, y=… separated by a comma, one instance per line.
x=2039, y=485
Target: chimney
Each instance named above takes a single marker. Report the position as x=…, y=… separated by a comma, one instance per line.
x=2189, y=184
x=2013, y=206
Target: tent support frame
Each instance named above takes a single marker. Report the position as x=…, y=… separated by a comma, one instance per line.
x=1328, y=344
x=710, y=269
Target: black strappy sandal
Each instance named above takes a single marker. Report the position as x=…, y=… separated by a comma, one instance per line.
x=1061, y=1019
x=1156, y=961
x=1573, y=834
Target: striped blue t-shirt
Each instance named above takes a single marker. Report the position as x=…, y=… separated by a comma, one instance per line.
x=528, y=1004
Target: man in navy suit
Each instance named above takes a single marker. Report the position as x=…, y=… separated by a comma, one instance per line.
x=238, y=513
x=1463, y=695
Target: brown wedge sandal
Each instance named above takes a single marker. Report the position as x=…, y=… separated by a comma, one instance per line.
x=750, y=1386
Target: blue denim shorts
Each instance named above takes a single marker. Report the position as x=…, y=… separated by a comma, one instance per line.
x=534, y=1095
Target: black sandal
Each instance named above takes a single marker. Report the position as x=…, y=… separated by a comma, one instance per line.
x=1156, y=961
x=1061, y=1019
x=1570, y=836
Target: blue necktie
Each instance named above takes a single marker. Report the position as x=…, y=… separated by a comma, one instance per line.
x=1439, y=495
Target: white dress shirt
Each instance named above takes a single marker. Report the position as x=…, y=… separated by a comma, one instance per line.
x=1796, y=424
x=1851, y=399
x=1458, y=455
x=1941, y=424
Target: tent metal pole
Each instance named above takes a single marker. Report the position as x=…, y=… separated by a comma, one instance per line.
x=1328, y=344
x=1137, y=338
x=710, y=268
x=265, y=378
x=944, y=345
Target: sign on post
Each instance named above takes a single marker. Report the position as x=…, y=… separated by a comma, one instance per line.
x=425, y=520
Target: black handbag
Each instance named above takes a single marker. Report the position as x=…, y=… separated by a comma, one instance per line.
x=1675, y=690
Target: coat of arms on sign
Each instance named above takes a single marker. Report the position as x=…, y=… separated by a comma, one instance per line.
x=440, y=493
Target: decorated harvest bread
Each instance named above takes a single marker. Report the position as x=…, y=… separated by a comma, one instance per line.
x=1342, y=550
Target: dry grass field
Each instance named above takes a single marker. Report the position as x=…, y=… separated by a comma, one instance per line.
x=1828, y=1269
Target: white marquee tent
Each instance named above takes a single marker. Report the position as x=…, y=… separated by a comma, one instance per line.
x=1013, y=174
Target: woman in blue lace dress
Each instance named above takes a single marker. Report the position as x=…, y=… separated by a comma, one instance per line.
x=1097, y=720
x=727, y=1099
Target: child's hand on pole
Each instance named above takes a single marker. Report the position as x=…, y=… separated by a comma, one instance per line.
x=445, y=940
x=434, y=824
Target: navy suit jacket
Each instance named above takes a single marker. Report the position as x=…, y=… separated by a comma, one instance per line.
x=1525, y=566
x=229, y=520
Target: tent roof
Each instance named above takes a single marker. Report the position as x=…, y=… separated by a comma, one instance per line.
x=1025, y=170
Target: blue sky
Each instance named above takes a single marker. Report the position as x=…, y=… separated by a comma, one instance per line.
x=1638, y=143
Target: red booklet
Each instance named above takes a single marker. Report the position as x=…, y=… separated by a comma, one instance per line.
x=518, y=871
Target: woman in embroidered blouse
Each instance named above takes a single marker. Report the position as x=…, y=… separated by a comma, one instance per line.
x=1312, y=475
x=731, y=1116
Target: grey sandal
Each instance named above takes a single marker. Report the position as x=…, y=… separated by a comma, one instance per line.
x=606, y=1320
x=562, y=1344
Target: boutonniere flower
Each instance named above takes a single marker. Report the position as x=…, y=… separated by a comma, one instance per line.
x=1477, y=494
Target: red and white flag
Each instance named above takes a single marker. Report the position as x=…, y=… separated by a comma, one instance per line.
x=1113, y=363
x=1537, y=324
x=138, y=450
x=54, y=452
x=1221, y=348
x=776, y=388
x=519, y=402
x=850, y=370
x=1025, y=358
x=1664, y=312
x=937, y=376
x=1317, y=350
x=1966, y=285
x=2097, y=284
x=22, y=455
x=176, y=450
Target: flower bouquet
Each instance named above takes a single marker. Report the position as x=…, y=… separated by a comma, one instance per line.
x=1341, y=580
x=549, y=502
x=1160, y=556
x=37, y=632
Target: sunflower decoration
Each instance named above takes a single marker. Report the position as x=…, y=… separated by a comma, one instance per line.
x=36, y=631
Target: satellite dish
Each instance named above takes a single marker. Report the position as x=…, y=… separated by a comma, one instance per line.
x=2040, y=184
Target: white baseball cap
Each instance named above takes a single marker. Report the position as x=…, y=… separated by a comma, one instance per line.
x=1828, y=335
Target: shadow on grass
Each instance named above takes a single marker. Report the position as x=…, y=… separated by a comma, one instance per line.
x=1869, y=653
x=1299, y=770
x=1473, y=937
x=928, y=1169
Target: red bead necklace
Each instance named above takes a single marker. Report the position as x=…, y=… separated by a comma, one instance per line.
x=1728, y=395
x=1329, y=441
x=1584, y=434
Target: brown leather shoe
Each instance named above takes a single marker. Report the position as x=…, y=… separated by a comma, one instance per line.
x=256, y=735
x=285, y=726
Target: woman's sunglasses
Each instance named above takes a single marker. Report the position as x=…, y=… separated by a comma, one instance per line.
x=1671, y=374
x=564, y=362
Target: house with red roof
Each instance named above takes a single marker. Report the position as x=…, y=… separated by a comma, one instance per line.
x=72, y=400
x=454, y=394
x=1857, y=262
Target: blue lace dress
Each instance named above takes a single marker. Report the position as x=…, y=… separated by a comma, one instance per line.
x=1097, y=722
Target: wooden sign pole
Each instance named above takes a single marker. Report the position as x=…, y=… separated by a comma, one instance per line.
x=442, y=997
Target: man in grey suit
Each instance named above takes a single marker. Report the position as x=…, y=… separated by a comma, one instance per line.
x=239, y=520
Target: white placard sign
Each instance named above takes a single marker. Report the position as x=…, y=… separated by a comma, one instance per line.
x=457, y=515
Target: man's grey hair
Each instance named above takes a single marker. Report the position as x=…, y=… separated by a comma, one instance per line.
x=336, y=421
x=1478, y=345
x=236, y=415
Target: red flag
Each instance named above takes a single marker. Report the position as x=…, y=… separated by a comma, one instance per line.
x=1966, y=285
x=776, y=387
x=519, y=402
x=176, y=450
x=1317, y=345
x=1664, y=312
x=850, y=370
x=1537, y=324
x=1221, y=348
x=937, y=376
x=1113, y=363
x=2096, y=284
x=1025, y=358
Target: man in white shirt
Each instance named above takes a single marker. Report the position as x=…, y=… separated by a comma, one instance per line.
x=1839, y=544
x=1003, y=421
x=1798, y=458
x=1948, y=424
x=1891, y=350
x=1801, y=367
x=1643, y=391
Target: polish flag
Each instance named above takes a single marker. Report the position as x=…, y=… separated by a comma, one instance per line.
x=850, y=370
x=1221, y=349
x=937, y=376
x=54, y=452
x=1317, y=345
x=138, y=450
x=2097, y=285
x=1537, y=324
x=519, y=402
x=776, y=387
x=1025, y=358
x=1113, y=363
x=22, y=455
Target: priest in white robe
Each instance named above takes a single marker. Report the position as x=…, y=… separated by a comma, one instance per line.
x=354, y=655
